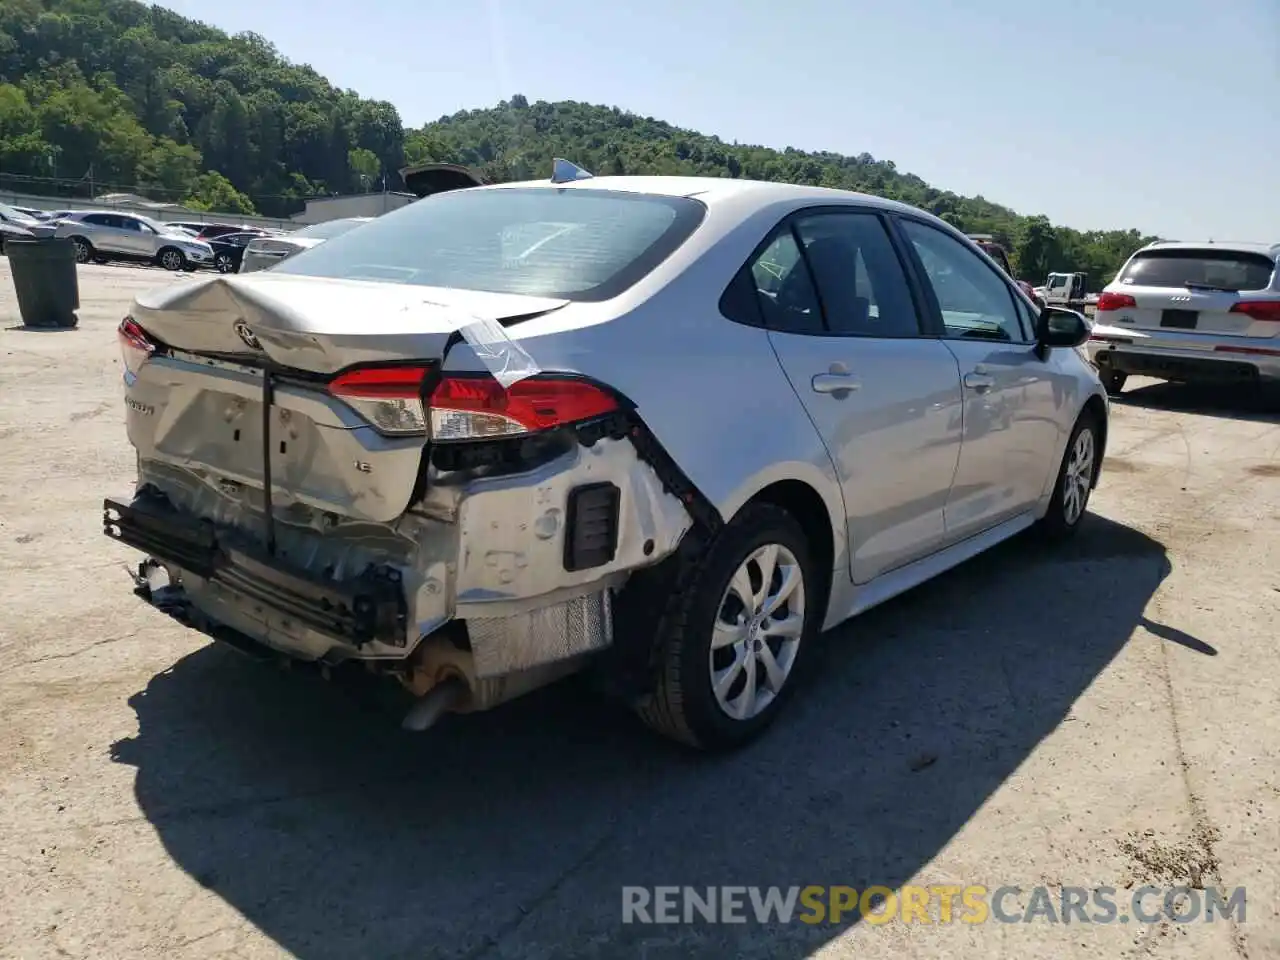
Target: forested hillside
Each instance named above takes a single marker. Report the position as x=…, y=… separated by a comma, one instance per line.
x=134, y=95
x=517, y=140
x=115, y=95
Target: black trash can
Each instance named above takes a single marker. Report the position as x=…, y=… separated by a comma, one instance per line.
x=44, y=277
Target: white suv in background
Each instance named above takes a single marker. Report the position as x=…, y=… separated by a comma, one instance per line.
x=101, y=236
x=1191, y=312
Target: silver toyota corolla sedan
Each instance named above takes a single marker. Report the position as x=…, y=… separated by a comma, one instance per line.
x=663, y=429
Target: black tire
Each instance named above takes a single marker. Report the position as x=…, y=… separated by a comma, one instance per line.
x=683, y=705
x=84, y=250
x=1113, y=381
x=224, y=263
x=171, y=258
x=1062, y=520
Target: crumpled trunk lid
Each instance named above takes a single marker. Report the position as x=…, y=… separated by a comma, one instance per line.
x=202, y=402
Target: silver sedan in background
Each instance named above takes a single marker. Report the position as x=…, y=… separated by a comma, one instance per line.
x=268, y=251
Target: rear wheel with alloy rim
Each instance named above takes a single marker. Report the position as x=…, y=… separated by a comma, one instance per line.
x=729, y=654
x=757, y=632
x=224, y=264
x=1075, y=478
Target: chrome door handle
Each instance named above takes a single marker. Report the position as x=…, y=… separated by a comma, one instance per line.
x=834, y=383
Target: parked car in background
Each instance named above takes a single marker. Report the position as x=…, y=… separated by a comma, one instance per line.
x=1191, y=312
x=228, y=250
x=14, y=224
x=267, y=251
x=101, y=236
x=210, y=231
x=666, y=428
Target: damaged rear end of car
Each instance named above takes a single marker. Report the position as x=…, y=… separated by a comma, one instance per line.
x=316, y=477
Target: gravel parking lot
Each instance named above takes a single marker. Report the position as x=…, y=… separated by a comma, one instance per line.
x=1103, y=715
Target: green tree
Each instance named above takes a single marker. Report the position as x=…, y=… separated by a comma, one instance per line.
x=215, y=192
x=364, y=166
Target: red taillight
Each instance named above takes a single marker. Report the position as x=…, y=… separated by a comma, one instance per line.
x=135, y=347
x=477, y=407
x=390, y=398
x=1259, y=309
x=1114, y=301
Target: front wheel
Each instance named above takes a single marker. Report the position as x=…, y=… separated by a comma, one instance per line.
x=84, y=250
x=171, y=258
x=728, y=659
x=1075, y=479
x=224, y=263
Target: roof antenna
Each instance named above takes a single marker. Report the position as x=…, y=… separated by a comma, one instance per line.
x=562, y=171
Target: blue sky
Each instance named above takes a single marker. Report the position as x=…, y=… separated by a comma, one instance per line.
x=1157, y=114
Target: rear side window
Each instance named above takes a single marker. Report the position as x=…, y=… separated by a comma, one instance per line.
x=576, y=244
x=1221, y=269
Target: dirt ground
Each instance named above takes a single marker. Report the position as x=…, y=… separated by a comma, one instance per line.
x=1104, y=714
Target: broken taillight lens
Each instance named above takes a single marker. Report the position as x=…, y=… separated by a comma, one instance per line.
x=479, y=407
x=390, y=398
x=135, y=348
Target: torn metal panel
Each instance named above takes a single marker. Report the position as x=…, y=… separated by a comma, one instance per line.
x=492, y=548
x=512, y=529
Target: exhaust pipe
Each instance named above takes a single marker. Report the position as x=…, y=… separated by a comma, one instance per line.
x=435, y=704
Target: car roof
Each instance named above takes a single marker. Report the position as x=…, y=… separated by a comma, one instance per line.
x=710, y=190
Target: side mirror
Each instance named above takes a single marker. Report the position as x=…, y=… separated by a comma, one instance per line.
x=1061, y=328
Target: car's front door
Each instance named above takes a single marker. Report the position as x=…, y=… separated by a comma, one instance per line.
x=885, y=399
x=1011, y=395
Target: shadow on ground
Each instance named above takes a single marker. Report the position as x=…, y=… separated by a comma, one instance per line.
x=1233, y=402
x=512, y=833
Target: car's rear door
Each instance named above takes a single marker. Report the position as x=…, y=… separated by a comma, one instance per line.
x=844, y=324
x=103, y=231
x=1012, y=423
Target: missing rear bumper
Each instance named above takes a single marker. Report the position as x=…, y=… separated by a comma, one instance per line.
x=359, y=610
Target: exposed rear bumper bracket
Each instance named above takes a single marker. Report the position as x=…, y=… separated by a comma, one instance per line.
x=358, y=610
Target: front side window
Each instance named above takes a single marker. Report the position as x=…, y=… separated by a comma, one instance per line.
x=569, y=243
x=976, y=303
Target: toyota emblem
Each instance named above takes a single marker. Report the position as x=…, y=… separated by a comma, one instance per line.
x=244, y=333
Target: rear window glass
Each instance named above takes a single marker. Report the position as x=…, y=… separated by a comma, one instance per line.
x=576, y=244
x=1226, y=269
